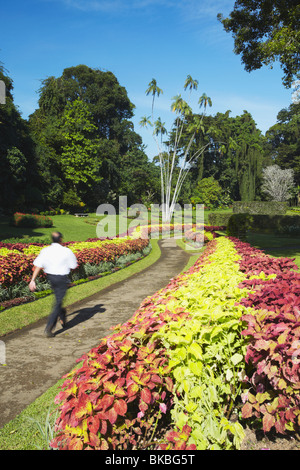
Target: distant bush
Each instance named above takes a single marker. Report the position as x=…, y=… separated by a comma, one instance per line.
x=31, y=220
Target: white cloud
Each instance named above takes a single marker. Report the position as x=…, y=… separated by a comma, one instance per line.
x=190, y=9
x=115, y=5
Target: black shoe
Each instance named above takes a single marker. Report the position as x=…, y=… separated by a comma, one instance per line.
x=48, y=334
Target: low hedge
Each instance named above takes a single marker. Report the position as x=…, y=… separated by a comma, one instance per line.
x=260, y=207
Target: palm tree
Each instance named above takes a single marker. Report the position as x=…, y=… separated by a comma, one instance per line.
x=180, y=106
x=159, y=128
x=145, y=121
x=204, y=100
x=155, y=90
x=191, y=84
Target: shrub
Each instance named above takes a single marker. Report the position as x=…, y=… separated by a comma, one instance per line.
x=31, y=220
x=208, y=192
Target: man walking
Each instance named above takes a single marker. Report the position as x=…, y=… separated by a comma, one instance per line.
x=57, y=261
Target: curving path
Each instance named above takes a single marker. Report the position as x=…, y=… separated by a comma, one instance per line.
x=35, y=363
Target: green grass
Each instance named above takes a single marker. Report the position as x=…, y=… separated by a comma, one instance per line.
x=73, y=229
x=23, y=433
x=277, y=245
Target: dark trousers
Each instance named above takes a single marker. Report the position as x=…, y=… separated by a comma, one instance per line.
x=59, y=284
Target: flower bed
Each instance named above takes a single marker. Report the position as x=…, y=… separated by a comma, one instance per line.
x=180, y=366
x=94, y=257
x=186, y=230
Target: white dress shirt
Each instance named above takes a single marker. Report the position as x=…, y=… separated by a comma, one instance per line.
x=56, y=259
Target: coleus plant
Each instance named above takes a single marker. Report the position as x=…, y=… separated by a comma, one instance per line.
x=124, y=383
x=145, y=231
x=206, y=353
x=273, y=354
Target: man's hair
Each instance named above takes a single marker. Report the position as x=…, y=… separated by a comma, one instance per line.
x=56, y=237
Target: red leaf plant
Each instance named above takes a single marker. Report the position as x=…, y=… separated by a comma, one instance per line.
x=177, y=440
x=273, y=354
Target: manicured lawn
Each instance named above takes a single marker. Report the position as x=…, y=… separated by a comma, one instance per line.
x=73, y=228
x=277, y=245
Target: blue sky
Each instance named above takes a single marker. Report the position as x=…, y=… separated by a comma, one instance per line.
x=137, y=40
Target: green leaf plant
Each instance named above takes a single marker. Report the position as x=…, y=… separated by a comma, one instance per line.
x=206, y=353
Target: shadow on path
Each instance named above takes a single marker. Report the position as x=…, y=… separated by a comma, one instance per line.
x=80, y=316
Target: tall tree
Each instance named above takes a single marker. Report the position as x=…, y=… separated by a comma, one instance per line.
x=264, y=32
x=278, y=184
x=283, y=140
x=18, y=176
x=106, y=110
x=234, y=155
x=154, y=90
x=191, y=83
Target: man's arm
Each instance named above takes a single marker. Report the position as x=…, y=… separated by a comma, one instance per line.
x=32, y=285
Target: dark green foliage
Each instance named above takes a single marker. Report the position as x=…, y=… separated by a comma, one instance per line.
x=283, y=140
x=265, y=32
x=234, y=156
x=239, y=224
x=18, y=176
x=85, y=141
